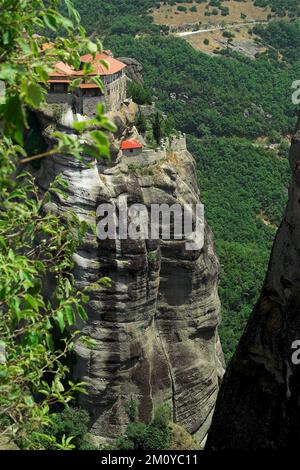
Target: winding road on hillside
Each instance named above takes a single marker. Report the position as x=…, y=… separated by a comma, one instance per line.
x=220, y=28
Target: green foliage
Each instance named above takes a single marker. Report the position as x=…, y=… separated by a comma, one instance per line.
x=231, y=96
x=157, y=128
x=131, y=409
x=244, y=189
x=281, y=7
x=36, y=246
x=162, y=416
x=118, y=17
x=283, y=36
x=69, y=422
x=139, y=93
x=154, y=436
x=151, y=256
x=141, y=123
x=228, y=34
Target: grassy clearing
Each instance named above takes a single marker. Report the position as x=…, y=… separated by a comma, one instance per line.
x=216, y=39
x=169, y=15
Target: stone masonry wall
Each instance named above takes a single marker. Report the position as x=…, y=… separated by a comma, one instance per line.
x=115, y=94
x=145, y=158
x=89, y=105
x=176, y=144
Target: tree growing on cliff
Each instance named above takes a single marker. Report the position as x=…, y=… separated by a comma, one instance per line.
x=157, y=128
x=141, y=123
x=138, y=93
x=153, y=436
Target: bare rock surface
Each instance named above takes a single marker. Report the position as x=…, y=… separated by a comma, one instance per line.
x=156, y=327
x=134, y=69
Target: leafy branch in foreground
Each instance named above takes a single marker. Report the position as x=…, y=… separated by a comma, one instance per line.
x=35, y=246
x=39, y=302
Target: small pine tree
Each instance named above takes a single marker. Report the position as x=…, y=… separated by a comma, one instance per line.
x=141, y=123
x=131, y=409
x=157, y=128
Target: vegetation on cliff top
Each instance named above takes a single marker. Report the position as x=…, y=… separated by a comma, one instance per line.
x=237, y=112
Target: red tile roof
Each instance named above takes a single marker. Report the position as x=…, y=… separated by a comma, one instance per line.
x=114, y=66
x=131, y=144
x=63, y=70
x=88, y=85
x=59, y=81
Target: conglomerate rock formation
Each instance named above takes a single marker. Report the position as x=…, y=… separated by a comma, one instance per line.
x=156, y=326
x=259, y=403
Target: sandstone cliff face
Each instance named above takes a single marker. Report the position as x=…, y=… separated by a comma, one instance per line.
x=259, y=403
x=134, y=69
x=156, y=327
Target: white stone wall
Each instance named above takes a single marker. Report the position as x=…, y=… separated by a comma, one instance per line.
x=115, y=93
x=132, y=152
x=178, y=143
x=175, y=144
x=145, y=158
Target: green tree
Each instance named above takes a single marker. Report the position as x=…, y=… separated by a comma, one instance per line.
x=157, y=128
x=35, y=245
x=141, y=123
x=131, y=409
x=138, y=93
x=154, y=436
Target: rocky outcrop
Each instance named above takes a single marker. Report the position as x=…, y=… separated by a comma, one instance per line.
x=134, y=69
x=156, y=326
x=259, y=403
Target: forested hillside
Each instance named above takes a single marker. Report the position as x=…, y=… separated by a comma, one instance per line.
x=282, y=36
x=117, y=16
x=233, y=108
x=220, y=96
x=132, y=17
x=281, y=7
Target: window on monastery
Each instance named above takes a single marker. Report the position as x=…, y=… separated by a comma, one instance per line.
x=90, y=93
x=58, y=88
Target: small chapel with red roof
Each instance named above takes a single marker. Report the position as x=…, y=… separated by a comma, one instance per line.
x=131, y=148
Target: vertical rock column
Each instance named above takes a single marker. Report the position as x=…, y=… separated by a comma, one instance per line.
x=259, y=403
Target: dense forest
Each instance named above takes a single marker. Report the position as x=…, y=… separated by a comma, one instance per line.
x=281, y=7
x=234, y=109
x=226, y=96
x=117, y=16
x=133, y=17
x=282, y=36
x=243, y=188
